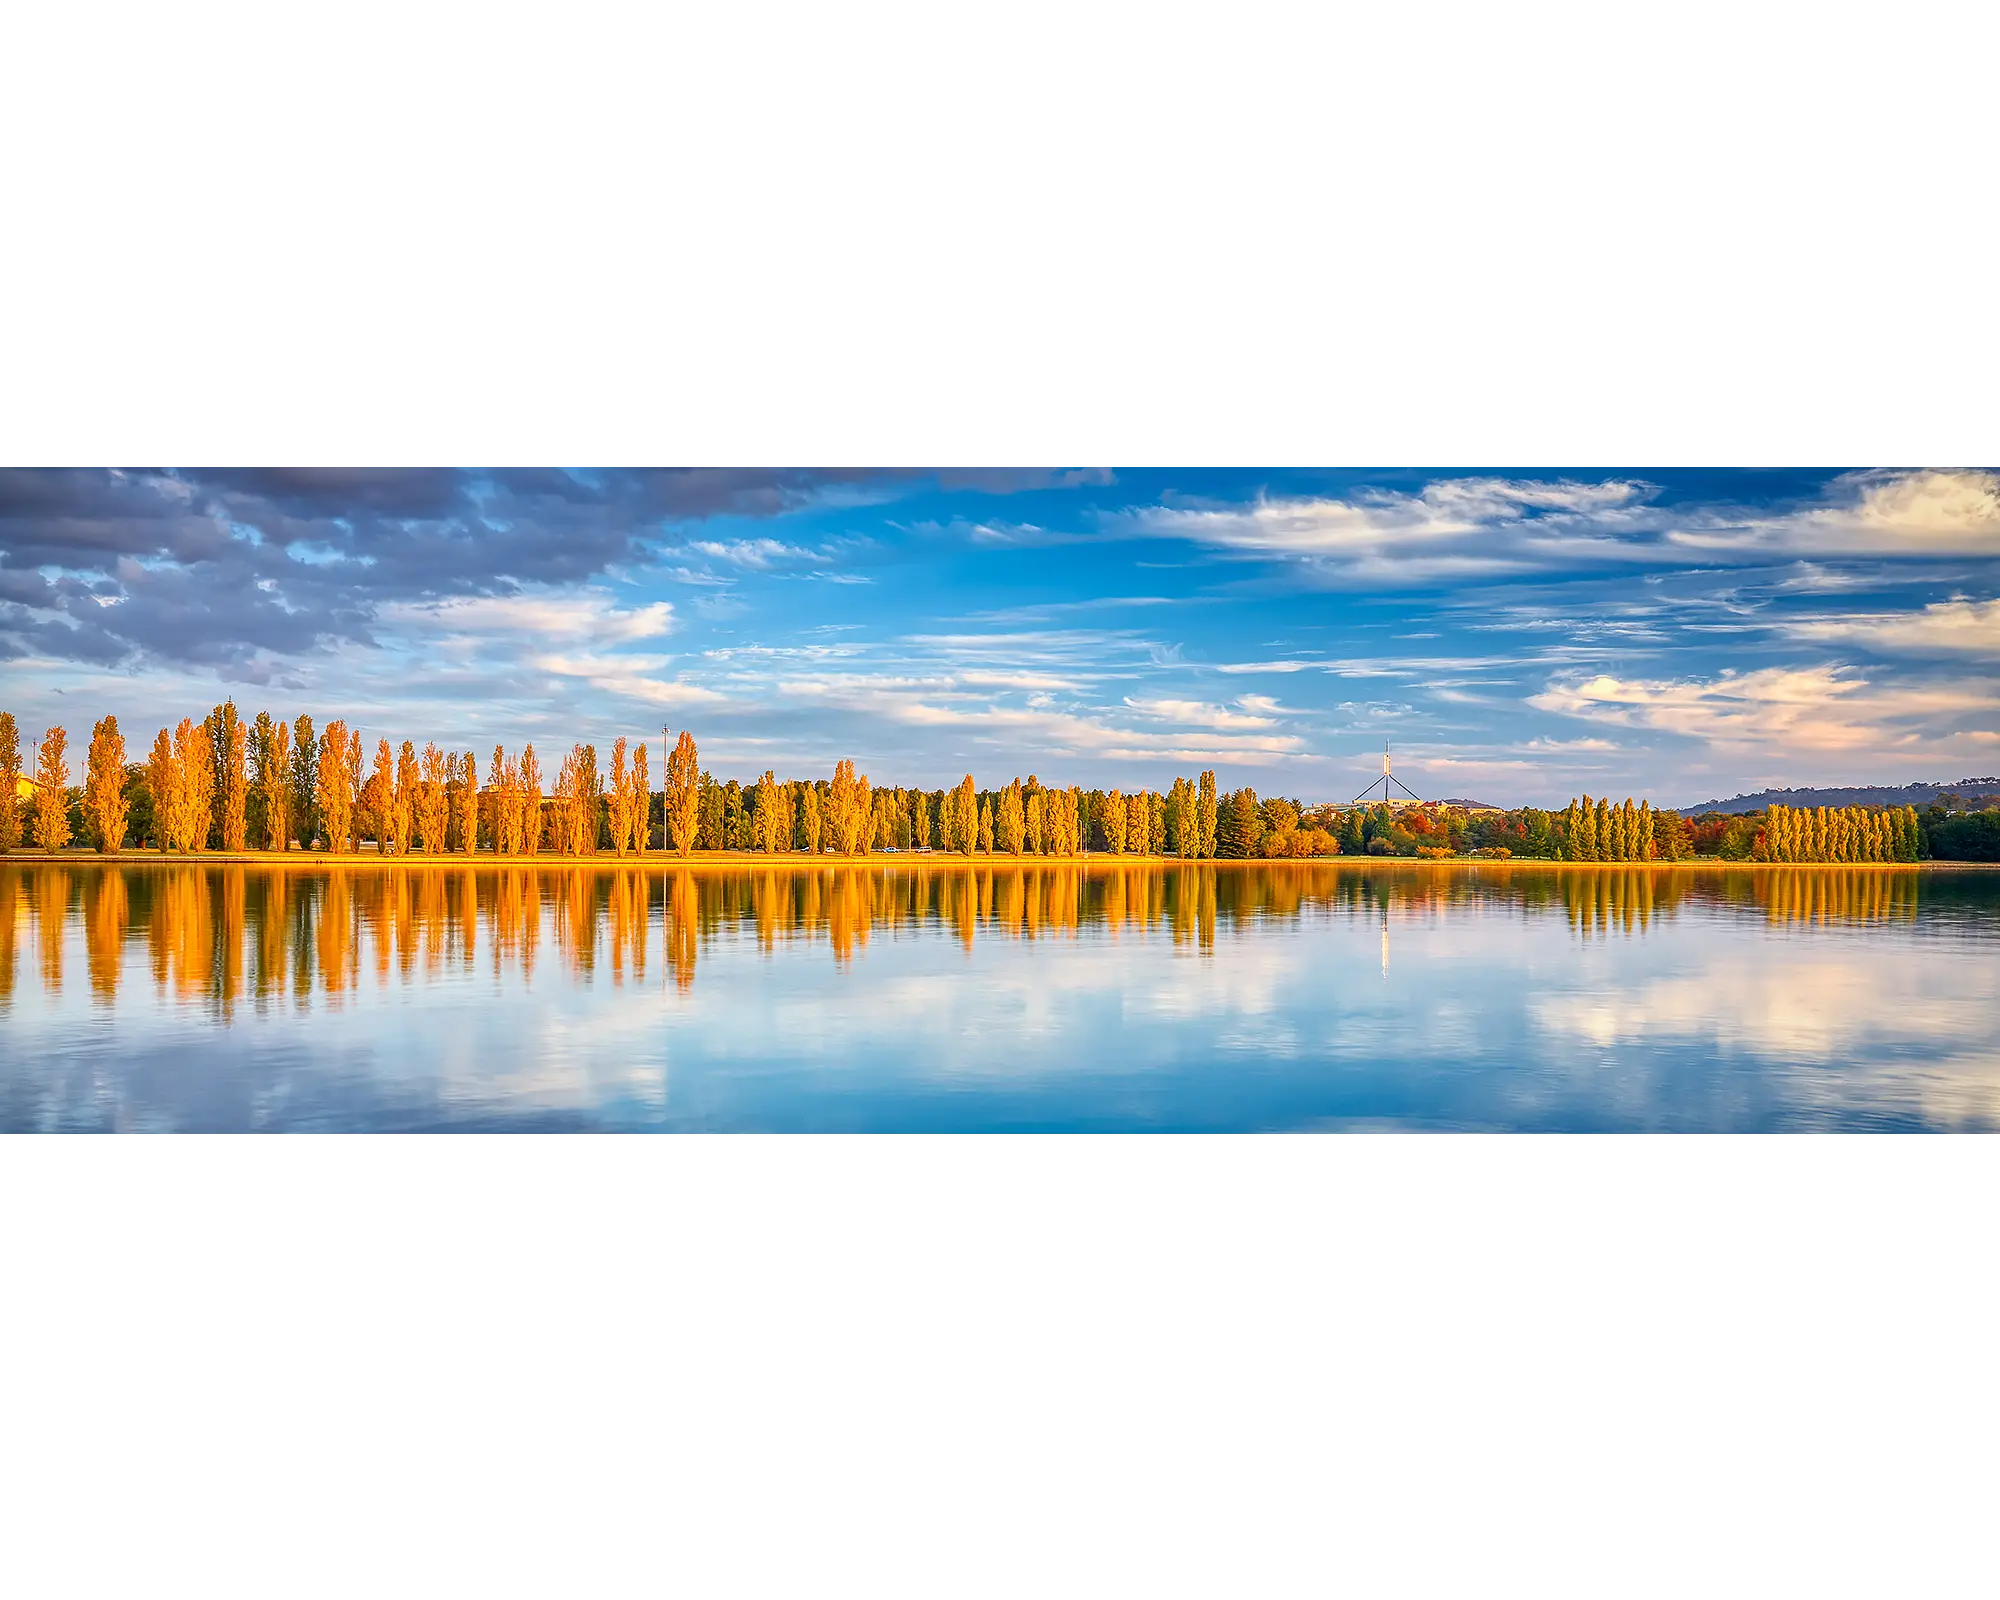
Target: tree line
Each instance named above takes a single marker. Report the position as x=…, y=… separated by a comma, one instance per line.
x=224, y=784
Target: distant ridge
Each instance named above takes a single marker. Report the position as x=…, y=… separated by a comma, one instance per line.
x=1910, y=794
x=1470, y=805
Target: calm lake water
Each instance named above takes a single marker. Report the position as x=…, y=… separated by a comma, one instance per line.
x=936, y=997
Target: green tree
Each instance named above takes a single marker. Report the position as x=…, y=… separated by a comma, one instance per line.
x=736, y=830
x=714, y=823
x=304, y=807
x=270, y=756
x=1238, y=828
x=773, y=822
x=218, y=728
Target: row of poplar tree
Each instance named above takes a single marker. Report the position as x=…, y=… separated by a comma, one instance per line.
x=230, y=785
x=226, y=784
x=1842, y=833
x=1605, y=830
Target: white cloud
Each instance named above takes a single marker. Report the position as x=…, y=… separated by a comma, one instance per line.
x=628, y=676
x=584, y=614
x=1958, y=626
x=1468, y=528
x=1924, y=1039
x=1200, y=714
x=1379, y=536
x=1015, y=680
x=766, y=554
x=1923, y=513
x=1205, y=733
x=1819, y=708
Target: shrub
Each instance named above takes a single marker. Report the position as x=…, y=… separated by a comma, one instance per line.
x=1973, y=836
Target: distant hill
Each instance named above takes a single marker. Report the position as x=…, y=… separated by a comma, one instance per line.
x=1910, y=794
x=1469, y=805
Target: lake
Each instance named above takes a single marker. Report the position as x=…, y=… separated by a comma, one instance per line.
x=939, y=997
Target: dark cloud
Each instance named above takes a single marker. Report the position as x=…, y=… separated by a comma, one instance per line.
x=344, y=491
x=224, y=567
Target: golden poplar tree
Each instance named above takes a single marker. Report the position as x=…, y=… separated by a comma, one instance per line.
x=274, y=761
x=1032, y=823
x=846, y=824
x=642, y=801
x=1011, y=824
x=683, y=796
x=1138, y=823
x=104, y=799
x=235, y=794
x=584, y=822
x=10, y=782
x=809, y=818
x=1112, y=820
x=1205, y=815
x=468, y=804
x=334, y=785
x=563, y=802
x=162, y=775
x=195, y=758
x=52, y=790
x=767, y=834
x=853, y=810
x=499, y=786
x=382, y=785
x=965, y=822
x=403, y=798
x=621, y=798
x=575, y=802
x=531, y=802
x=433, y=799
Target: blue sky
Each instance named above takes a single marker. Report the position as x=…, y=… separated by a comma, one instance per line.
x=1517, y=635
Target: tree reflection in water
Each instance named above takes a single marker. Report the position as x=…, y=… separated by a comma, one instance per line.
x=221, y=935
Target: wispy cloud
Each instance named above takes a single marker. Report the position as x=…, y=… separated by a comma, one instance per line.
x=768, y=555
x=1484, y=529
x=588, y=614
x=1202, y=714
x=1829, y=707
x=1955, y=627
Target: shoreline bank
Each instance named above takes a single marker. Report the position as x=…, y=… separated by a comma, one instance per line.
x=799, y=861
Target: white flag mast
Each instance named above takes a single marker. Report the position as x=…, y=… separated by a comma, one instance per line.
x=1388, y=777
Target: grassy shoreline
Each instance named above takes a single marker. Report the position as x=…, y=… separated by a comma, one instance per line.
x=737, y=859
